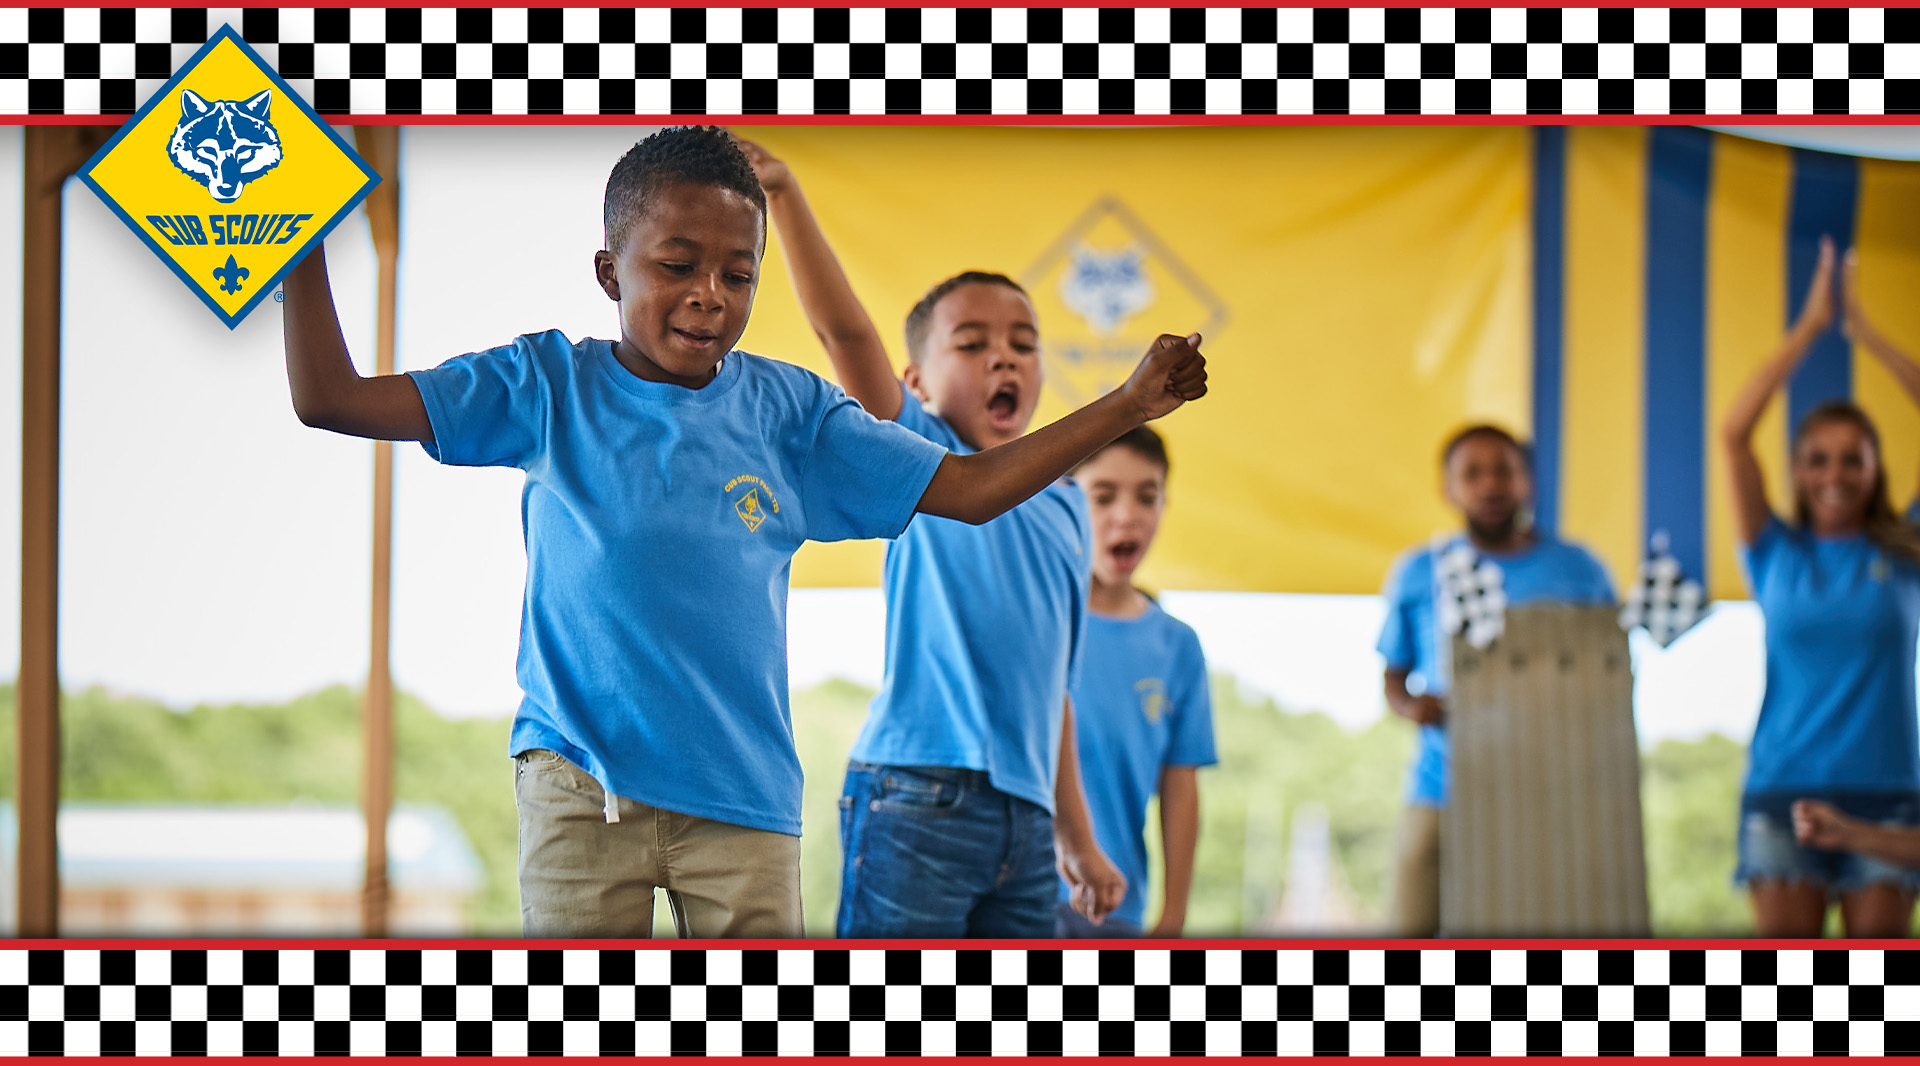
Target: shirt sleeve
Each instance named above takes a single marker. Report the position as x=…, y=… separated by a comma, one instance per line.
x=914, y=415
x=864, y=477
x=1192, y=741
x=1397, y=636
x=486, y=408
x=1755, y=556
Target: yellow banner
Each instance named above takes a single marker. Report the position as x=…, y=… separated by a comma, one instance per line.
x=1363, y=291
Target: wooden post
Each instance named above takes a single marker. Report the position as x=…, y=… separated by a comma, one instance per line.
x=380, y=146
x=52, y=154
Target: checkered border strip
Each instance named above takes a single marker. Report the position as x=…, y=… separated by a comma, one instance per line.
x=1001, y=1001
x=1117, y=61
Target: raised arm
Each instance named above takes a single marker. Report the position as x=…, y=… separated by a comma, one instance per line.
x=1868, y=336
x=980, y=487
x=835, y=313
x=328, y=393
x=1750, y=506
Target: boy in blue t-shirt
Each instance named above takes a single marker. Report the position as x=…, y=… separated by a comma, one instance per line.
x=1488, y=478
x=670, y=479
x=1142, y=710
x=962, y=795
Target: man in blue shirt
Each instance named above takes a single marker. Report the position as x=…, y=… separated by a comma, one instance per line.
x=1488, y=479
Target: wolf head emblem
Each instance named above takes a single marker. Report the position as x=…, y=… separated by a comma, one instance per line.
x=224, y=144
x=1106, y=288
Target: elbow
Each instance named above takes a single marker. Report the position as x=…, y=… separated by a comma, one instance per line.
x=312, y=414
x=977, y=517
x=970, y=512
x=958, y=494
x=308, y=415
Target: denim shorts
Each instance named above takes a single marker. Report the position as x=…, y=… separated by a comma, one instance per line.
x=1768, y=850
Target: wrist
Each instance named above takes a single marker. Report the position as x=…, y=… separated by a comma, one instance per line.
x=1068, y=839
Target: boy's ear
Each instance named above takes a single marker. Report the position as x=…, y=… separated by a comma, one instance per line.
x=604, y=273
x=911, y=378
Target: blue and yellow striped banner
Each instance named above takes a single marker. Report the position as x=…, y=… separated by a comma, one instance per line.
x=1687, y=253
x=1367, y=290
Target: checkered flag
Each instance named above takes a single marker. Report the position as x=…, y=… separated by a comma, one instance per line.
x=1662, y=599
x=1471, y=596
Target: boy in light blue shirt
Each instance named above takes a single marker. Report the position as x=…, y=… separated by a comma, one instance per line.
x=1142, y=710
x=1487, y=477
x=963, y=795
x=669, y=480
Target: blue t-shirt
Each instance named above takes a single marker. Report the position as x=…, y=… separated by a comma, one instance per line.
x=982, y=626
x=1141, y=704
x=1842, y=621
x=1550, y=571
x=660, y=524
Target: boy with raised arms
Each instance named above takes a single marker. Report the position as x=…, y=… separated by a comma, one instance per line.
x=669, y=479
x=963, y=796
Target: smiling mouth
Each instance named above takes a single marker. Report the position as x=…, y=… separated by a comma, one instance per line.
x=698, y=338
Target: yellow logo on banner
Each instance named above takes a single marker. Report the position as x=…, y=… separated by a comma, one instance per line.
x=1105, y=289
x=228, y=176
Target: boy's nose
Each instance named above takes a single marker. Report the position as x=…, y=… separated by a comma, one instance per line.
x=706, y=291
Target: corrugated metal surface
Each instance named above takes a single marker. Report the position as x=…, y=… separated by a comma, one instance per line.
x=1543, y=833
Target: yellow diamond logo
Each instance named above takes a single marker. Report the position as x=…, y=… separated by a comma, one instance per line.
x=749, y=509
x=228, y=176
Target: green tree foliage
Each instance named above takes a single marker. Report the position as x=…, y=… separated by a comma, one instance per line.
x=1273, y=763
x=126, y=749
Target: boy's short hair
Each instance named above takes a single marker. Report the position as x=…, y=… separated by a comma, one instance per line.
x=1142, y=441
x=693, y=155
x=1492, y=432
x=922, y=313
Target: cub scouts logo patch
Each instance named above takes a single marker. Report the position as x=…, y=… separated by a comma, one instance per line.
x=1153, y=698
x=750, y=505
x=228, y=176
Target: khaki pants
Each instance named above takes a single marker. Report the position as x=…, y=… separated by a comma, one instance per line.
x=1416, y=874
x=583, y=876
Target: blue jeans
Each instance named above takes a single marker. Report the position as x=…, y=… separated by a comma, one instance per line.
x=937, y=852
